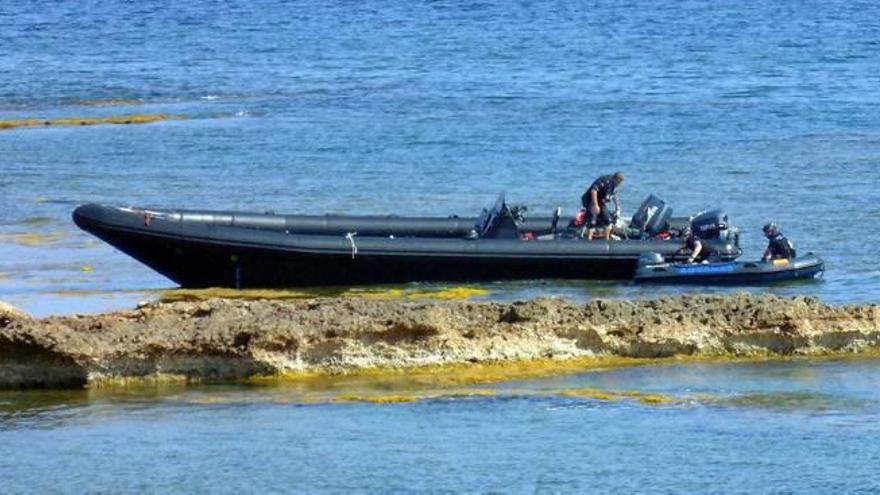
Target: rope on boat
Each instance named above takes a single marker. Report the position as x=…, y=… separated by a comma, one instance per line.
x=354, y=248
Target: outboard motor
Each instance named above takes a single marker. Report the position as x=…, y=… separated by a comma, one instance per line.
x=652, y=216
x=712, y=224
x=714, y=227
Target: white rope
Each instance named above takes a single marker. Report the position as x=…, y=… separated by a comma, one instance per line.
x=354, y=248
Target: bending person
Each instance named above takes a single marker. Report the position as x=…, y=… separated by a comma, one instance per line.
x=699, y=251
x=594, y=200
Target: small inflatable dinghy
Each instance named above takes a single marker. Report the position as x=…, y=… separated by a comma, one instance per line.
x=654, y=269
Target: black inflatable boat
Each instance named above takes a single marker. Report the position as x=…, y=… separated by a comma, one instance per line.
x=655, y=269
x=231, y=249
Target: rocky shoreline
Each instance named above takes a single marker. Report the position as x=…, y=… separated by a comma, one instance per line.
x=227, y=340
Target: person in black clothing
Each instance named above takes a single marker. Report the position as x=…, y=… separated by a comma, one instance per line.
x=594, y=200
x=779, y=247
x=692, y=243
x=699, y=251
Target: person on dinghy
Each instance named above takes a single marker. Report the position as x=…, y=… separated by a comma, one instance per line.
x=779, y=247
x=602, y=191
x=698, y=251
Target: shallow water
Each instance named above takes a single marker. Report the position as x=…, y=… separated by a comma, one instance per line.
x=794, y=426
x=769, y=111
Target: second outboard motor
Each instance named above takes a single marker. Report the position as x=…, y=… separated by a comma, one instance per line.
x=712, y=224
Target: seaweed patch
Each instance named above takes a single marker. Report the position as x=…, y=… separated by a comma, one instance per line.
x=377, y=293
x=32, y=239
x=612, y=395
x=89, y=121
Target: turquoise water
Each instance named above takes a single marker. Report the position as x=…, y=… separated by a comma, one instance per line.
x=789, y=427
x=769, y=111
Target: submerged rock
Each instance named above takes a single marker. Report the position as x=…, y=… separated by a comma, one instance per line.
x=224, y=339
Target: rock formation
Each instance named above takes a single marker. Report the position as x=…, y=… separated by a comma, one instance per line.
x=221, y=339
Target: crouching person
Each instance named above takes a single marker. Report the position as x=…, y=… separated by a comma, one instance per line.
x=779, y=247
x=699, y=251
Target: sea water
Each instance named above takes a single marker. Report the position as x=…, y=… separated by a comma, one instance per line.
x=783, y=427
x=770, y=110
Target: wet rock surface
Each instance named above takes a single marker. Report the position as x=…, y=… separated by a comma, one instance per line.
x=222, y=339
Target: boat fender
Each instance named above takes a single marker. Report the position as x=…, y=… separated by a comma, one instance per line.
x=350, y=237
x=651, y=259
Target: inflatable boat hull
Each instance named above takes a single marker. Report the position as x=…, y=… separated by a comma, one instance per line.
x=219, y=249
x=732, y=273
